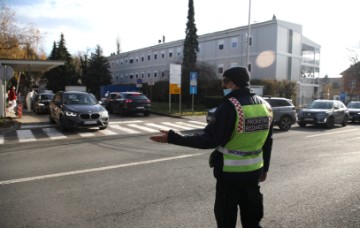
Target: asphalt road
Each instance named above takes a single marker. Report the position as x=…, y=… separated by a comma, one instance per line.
x=129, y=181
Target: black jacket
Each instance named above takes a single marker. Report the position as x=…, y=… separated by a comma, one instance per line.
x=218, y=133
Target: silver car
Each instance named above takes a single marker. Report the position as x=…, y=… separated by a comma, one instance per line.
x=284, y=112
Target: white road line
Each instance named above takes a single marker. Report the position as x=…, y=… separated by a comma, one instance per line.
x=198, y=122
x=52, y=133
x=108, y=132
x=87, y=134
x=26, y=179
x=126, y=122
x=127, y=130
x=30, y=126
x=143, y=128
x=2, y=139
x=25, y=136
x=329, y=133
x=158, y=126
x=177, y=126
x=189, y=125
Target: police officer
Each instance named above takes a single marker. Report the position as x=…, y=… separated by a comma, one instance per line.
x=241, y=133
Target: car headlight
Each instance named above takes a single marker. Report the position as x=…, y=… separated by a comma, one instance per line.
x=41, y=104
x=104, y=114
x=68, y=113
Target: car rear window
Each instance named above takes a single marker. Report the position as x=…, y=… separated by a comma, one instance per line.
x=136, y=96
x=46, y=97
x=278, y=102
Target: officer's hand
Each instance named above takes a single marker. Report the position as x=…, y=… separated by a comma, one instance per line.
x=163, y=138
x=263, y=176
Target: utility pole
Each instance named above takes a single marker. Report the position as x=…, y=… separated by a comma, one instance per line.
x=248, y=39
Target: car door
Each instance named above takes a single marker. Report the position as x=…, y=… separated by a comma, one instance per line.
x=338, y=113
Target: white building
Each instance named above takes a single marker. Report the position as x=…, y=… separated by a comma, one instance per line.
x=277, y=50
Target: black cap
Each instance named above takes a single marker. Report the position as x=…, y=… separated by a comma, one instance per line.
x=240, y=76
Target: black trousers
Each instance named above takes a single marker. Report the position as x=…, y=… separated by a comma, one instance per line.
x=231, y=195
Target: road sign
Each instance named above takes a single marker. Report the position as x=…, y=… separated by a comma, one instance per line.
x=193, y=82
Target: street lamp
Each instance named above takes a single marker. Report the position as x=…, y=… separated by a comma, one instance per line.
x=248, y=39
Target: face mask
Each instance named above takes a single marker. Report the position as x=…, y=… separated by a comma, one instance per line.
x=226, y=91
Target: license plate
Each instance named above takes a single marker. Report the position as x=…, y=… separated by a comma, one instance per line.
x=139, y=107
x=308, y=119
x=90, y=122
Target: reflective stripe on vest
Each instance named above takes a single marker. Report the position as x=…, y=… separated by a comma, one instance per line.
x=238, y=152
x=243, y=152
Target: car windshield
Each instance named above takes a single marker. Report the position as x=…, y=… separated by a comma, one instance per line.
x=321, y=105
x=353, y=105
x=45, y=97
x=79, y=99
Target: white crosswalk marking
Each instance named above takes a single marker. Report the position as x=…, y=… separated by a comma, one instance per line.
x=198, y=122
x=143, y=128
x=114, y=128
x=177, y=126
x=158, y=127
x=87, y=134
x=108, y=132
x=53, y=133
x=25, y=136
x=189, y=125
x=127, y=130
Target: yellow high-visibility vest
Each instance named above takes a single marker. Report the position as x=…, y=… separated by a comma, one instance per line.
x=243, y=152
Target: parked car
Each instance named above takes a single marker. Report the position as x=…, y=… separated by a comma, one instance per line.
x=284, y=112
x=125, y=103
x=324, y=112
x=77, y=110
x=354, y=110
x=40, y=103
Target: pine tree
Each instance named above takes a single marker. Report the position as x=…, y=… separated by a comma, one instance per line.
x=97, y=73
x=189, y=52
x=61, y=76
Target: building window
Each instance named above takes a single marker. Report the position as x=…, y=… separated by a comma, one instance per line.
x=155, y=74
x=170, y=54
x=221, y=44
x=142, y=75
x=162, y=55
x=149, y=57
x=221, y=68
x=137, y=59
x=137, y=75
x=142, y=58
x=131, y=61
x=179, y=52
x=131, y=76
x=234, y=42
x=149, y=75
x=155, y=56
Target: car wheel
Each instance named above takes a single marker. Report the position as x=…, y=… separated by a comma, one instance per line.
x=51, y=120
x=330, y=122
x=344, y=123
x=122, y=112
x=302, y=124
x=110, y=110
x=62, y=124
x=285, y=123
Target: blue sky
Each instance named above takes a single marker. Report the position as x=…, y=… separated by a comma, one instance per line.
x=141, y=23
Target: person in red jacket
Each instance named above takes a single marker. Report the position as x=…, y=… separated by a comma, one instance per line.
x=12, y=99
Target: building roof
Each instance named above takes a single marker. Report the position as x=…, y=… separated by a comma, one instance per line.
x=31, y=65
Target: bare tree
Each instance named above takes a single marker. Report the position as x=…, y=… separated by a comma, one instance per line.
x=16, y=42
